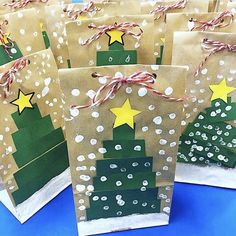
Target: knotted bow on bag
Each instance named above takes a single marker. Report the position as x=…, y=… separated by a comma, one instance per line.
x=213, y=47
x=143, y=79
x=7, y=78
x=218, y=22
x=123, y=27
x=162, y=10
x=16, y=4
x=75, y=14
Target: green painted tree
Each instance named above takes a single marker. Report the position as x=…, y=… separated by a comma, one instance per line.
x=41, y=151
x=125, y=183
x=209, y=139
x=13, y=51
x=116, y=55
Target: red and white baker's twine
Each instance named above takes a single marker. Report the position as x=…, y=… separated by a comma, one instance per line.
x=74, y=14
x=6, y=45
x=143, y=79
x=163, y=9
x=123, y=27
x=218, y=22
x=7, y=78
x=213, y=47
x=16, y=4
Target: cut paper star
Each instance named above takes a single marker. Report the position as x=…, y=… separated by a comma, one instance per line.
x=221, y=91
x=125, y=115
x=23, y=101
x=115, y=36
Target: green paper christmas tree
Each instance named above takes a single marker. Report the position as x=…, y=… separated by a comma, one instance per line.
x=41, y=150
x=45, y=36
x=14, y=51
x=125, y=183
x=209, y=138
x=116, y=55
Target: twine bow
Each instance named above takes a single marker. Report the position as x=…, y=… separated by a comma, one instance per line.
x=162, y=9
x=213, y=47
x=217, y=22
x=5, y=40
x=143, y=79
x=123, y=27
x=16, y=4
x=9, y=76
x=74, y=14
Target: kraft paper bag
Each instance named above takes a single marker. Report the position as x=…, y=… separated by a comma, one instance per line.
x=217, y=22
x=19, y=37
x=34, y=165
x=122, y=144
x=58, y=15
x=159, y=10
x=207, y=145
x=120, y=40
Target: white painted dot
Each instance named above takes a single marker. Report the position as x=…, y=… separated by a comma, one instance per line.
x=221, y=62
x=163, y=142
x=118, y=147
x=100, y=129
x=158, y=131
x=91, y=94
x=95, y=114
x=142, y=92
x=74, y=112
x=145, y=129
x=102, y=80
x=151, y=108
x=60, y=40
x=91, y=156
x=93, y=141
x=79, y=138
x=118, y=183
x=80, y=188
x=204, y=71
x=169, y=91
x=157, y=120
x=13, y=50
x=82, y=208
x=28, y=49
x=172, y=131
x=1, y=137
x=85, y=177
x=22, y=31
x=172, y=116
x=103, y=178
x=75, y=92
x=102, y=150
x=129, y=90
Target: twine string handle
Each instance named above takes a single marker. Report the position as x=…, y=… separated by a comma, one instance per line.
x=213, y=47
x=6, y=42
x=163, y=9
x=218, y=22
x=123, y=27
x=114, y=84
x=75, y=14
x=8, y=77
x=16, y=4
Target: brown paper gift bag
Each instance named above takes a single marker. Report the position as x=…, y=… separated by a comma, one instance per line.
x=111, y=41
x=207, y=149
x=7, y=6
x=34, y=164
x=218, y=22
x=123, y=160
x=159, y=10
x=19, y=37
x=58, y=15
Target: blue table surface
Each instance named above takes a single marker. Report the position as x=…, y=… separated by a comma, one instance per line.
x=196, y=210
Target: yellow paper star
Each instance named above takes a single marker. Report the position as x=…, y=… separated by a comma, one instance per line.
x=115, y=36
x=221, y=90
x=124, y=115
x=23, y=101
x=163, y=40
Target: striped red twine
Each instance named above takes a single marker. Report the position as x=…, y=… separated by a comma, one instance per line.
x=16, y=4
x=74, y=14
x=5, y=41
x=123, y=27
x=143, y=79
x=7, y=78
x=218, y=22
x=213, y=47
x=161, y=9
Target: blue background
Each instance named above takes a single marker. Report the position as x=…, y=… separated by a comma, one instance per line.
x=196, y=211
